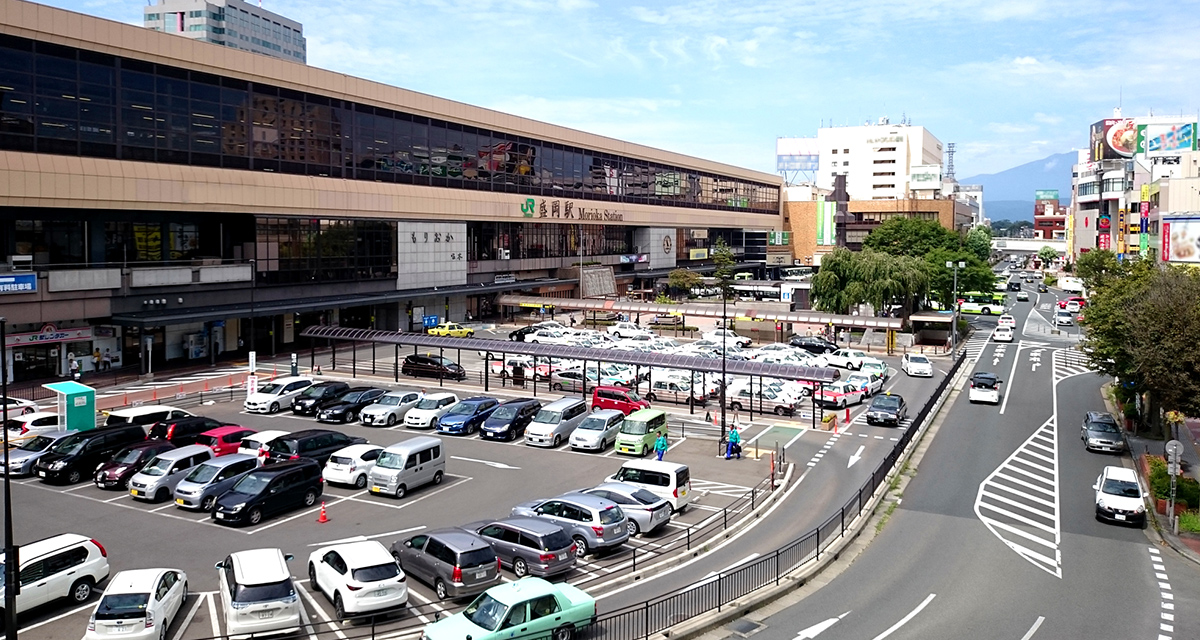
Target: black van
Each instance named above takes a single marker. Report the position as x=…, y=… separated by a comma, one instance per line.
x=267, y=491
x=317, y=397
x=75, y=457
x=183, y=431
x=317, y=444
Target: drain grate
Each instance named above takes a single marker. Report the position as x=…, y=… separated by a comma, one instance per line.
x=745, y=628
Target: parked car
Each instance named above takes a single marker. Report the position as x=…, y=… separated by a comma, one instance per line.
x=670, y=481
x=21, y=459
x=26, y=426
x=346, y=408
x=868, y=382
x=594, y=523
x=645, y=511
x=1002, y=334
x=467, y=416
x=915, y=364
x=184, y=431
x=727, y=336
x=519, y=334
x=889, y=408
x=315, y=444
x=18, y=406
x=429, y=409
x=765, y=399
x=257, y=593
x=116, y=472
x=847, y=358
x=1119, y=496
x=532, y=608
x=455, y=562
x=270, y=490
x=509, y=420
x=224, y=440
x=555, y=422
x=840, y=394
x=358, y=577
x=876, y=367
x=275, y=395
x=622, y=330
x=528, y=546
x=408, y=465
x=569, y=380
x=141, y=604
x=143, y=415
x=318, y=396
x=256, y=443
x=1100, y=432
x=624, y=400
x=75, y=457
x=67, y=565
x=390, y=408
x=985, y=387
x=157, y=480
x=640, y=430
x=201, y=487
x=352, y=465
x=431, y=366
x=548, y=336
x=673, y=390
x=452, y=330
x=813, y=344
x=598, y=430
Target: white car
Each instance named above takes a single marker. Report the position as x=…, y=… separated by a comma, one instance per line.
x=1002, y=334
x=872, y=383
x=985, y=387
x=847, y=358
x=140, y=604
x=352, y=465
x=358, y=577
x=29, y=425
x=18, y=406
x=255, y=444
x=1006, y=320
x=1073, y=306
x=390, y=408
x=721, y=336
x=549, y=336
x=279, y=393
x=915, y=364
x=257, y=592
x=841, y=394
x=622, y=330
x=429, y=410
x=1119, y=496
x=1064, y=318
x=86, y=563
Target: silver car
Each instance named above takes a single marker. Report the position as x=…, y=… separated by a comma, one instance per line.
x=455, y=562
x=594, y=523
x=200, y=488
x=530, y=546
x=157, y=480
x=645, y=511
x=598, y=430
x=21, y=459
x=389, y=409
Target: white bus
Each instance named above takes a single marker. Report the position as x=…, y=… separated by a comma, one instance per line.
x=1070, y=284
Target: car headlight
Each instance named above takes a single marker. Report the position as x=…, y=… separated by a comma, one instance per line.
x=58, y=466
x=1100, y=503
x=237, y=507
x=1141, y=508
x=1092, y=440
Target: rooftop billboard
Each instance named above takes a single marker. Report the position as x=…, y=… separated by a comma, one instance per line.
x=796, y=154
x=1157, y=140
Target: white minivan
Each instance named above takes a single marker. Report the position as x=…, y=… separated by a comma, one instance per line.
x=407, y=465
x=275, y=395
x=258, y=594
x=670, y=481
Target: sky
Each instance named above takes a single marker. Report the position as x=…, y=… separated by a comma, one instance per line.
x=1008, y=81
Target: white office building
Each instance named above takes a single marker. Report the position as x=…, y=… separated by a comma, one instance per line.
x=230, y=23
x=881, y=161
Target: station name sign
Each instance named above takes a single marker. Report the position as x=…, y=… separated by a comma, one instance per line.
x=567, y=210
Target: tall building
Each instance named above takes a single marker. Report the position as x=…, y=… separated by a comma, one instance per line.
x=1049, y=217
x=231, y=23
x=881, y=161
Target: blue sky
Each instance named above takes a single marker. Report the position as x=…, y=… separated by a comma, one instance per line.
x=1009, y=81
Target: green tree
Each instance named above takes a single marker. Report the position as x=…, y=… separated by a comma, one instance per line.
x=1048, y=255
x=902, y=236
x=979, y=242
x=837, y=286
x=1098, y=268
x=682, y=281
x=723, y=257
x=975, y=276
x=847, y=279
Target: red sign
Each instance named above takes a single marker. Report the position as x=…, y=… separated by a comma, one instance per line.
x=1166, y=241
x=1104, y=240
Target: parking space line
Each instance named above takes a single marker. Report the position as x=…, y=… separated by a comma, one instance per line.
x=681, y=441
x=307, y=622
x=120, y=497
x=58, y=617
x=128, y=506
x=188, y=619
x=370, y=537
x=378, y=503
x=76, y=487
x=310, y=511
x=438, y=607
x=169, y=505
x=321, y=612
x=212, y=615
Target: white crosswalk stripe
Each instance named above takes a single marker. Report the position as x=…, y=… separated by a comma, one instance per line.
x=1019, y=501
x=861, y=419
x=719, y=488
x=1069, y=362
x=975, y=345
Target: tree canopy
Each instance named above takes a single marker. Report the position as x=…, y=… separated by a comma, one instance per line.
x=979, y=242
x=928, y=241
x=723, y=257
x=901, y=236
x=1048, y=254
x=682, y=281
x=847, y=279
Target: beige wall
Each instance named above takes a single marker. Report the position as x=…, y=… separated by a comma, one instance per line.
x=802, y=218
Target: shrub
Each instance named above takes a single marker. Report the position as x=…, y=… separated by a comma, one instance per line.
x=1187, y=490
x=1189, y=521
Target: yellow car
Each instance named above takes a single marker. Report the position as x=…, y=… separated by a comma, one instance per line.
x=452, y=330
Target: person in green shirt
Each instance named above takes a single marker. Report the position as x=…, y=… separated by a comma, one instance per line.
x=735, y=444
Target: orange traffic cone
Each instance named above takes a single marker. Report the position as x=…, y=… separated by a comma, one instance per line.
x=323, y=519
x=206, y=386
x=125, y=400
x=181, y=387
x=156, y=395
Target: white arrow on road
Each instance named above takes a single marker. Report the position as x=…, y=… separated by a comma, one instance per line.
x=1035, y=366
x=816, y=629
x=857, y=456
x=995, y=362
x=497, y=465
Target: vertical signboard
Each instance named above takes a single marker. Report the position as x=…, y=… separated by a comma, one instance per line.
x=826, y=219
x=1121, y=229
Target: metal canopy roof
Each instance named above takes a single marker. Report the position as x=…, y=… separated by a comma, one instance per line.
x=703, y=311
x=691, y=363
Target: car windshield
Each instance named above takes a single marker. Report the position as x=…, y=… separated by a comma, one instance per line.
x=635, y=428
x=983, y=383
x=446, y=362
x=252, y=484
x=462, y=409
x=313, y=392
x=158, y=467
x=1123, y=488
x=611, y=515
x=264, y=592
x=270, y=389
x=633, y=396
x=885, y=402
x=486, y=612
x=389, y=460
x=1106, y=427
x=68, y=445
x=123, y=605
x=593, y=423
x=39, y=443
x=918, y=360
x=353, y=396
x=202, y=473
x=545, y=416
x=645, y=497
x=390, y=401
x=505, y=412
x=376, y=573
x=428, y=403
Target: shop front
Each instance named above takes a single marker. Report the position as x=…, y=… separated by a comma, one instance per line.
x=47, y=352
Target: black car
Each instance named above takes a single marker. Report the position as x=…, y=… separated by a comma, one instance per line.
x=888, y=408
x=1100, y=432
x=509, y=420
x=348, y=406
x=318, y=396
x=1042, y=288
x=519, y=334
x=1014, y=285
x=183, y=431
x=267, y=491
x=317, y=444
x=76, y=456
x=813, y=344
x=114, y=473
x=431, y=366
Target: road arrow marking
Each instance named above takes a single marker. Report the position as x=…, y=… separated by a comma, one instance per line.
x=995, y=362
x=855, y=458
x=816, y=629
x=1035, y=365
x=497, y=465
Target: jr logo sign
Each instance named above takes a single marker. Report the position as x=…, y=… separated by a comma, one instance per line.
x=529, y=207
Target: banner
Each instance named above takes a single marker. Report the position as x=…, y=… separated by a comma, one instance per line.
x=1045, y=194
x=826, y=223
x=1181, y=240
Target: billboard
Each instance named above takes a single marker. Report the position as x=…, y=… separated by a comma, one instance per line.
x=1181, y=240
x=1158, y=140
x=1045, y=194
x=925, y=176
x=1114, y=139
x=796, y=154
x=826, y=223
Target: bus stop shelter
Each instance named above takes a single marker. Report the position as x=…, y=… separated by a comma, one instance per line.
x=76, y=404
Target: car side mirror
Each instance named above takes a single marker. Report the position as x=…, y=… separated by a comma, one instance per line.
x=287, y=557
x=538, y=511
x=219, y=566
x=1096, y=487
x=408, y=543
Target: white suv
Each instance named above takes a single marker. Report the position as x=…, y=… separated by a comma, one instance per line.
x=279, y=393
x=258, y=594
x=138, y=604
x=429, y=410
x=65, y=565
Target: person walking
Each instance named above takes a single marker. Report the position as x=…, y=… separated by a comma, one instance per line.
x=660, y=445
x=74, y=365
x=106, y=360
x=735, y=444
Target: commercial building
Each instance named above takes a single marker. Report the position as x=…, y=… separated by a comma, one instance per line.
x=1049, y=217
x=881, y=161
x=230, y=23
x=157, y=194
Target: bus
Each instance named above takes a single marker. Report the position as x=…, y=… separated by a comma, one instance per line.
x=796, y=274
x=982, y=303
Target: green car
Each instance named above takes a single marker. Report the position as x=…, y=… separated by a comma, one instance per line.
x=640, y=430
x=876, y=367
x=530, y=608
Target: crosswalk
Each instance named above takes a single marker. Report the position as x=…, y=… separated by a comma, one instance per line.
x=861, y=420
x=975, y=345
x=1069, y=362
x=1019, y=501
x=713, y=487
x=173, y=382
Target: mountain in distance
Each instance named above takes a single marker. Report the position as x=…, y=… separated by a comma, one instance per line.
x=1009, y=194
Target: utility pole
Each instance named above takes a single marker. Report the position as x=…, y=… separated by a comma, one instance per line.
x=954, y=315
x=11, y=561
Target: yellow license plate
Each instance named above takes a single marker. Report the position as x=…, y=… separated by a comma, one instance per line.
x=178, y=500
x=134, y=492
x=375, y=489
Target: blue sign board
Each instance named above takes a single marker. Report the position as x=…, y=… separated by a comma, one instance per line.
x=429, y=322
x=18, y=283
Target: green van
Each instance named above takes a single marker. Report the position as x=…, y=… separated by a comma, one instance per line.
x=640, y=430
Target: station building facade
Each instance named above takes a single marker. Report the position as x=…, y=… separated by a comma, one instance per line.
x=162, y=198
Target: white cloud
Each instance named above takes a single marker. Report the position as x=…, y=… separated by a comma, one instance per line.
x=1047, y=119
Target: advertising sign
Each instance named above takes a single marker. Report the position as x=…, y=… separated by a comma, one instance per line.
x=925, y=176
x=697, y=254
x=18, y=283
x=796, y=154
x=826, y=223
x=429, y=322
x=1145, y=244
x=1046, y=194
x=49, y=334
x=1104, y=241
x=1181, y=240
x=1157, y=140
x=251, y=385
x=1114, y=139
x=635, y=258
x=1104, y=223
x=778, y=238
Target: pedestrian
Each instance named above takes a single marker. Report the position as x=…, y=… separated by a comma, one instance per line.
x=74, y=365
x=735, y=444
x=660, y=445
x=572, y=320
x=96, y=359
x=106, y=360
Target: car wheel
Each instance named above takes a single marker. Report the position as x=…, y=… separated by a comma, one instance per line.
x=162, y=632
x=987, y=311
x=557, y=440
x=274, y=407
x=556, y=387
x=360, y=482
x=401, y=491
x=129, y=483
x=440, y=587
x=312, y=577
x=565, y=632
x=780, y=411
x=207, y=503
x=632, y=527
x=310, y=498
x=391, y=419
x=581, y=548
x=162, y=495
x=350, y=416
x=651, y=397
x=81, y=590
x=736, y=406
x=520, y=569
x=437, y=477
x=255, y=516
x=74, y=476
x=339, y=608
x=843, y=404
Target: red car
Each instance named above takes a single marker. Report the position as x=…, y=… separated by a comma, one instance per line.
x=1062, y=304
x=224, y=440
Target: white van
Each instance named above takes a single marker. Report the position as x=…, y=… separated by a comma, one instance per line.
x=144, y=415
x=670, y=481
x=408, y=465
x=555, y=422
x=278, y=393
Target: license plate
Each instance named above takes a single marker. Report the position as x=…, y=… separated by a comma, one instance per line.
x=220, y=516
x=562, y=556
x=480, y=575
x=134, y=492
x=1119, y=516
x=121, y=628
x=178, y=500
x=379, y=593
x=42, y=474
x=263, y=615
x=376, y=489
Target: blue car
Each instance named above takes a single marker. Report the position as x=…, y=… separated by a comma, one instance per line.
x=467, y=416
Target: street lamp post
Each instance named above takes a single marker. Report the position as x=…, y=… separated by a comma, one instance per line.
x=11, y=561
x=253, y=286
x=954, y=316
x=724, y=356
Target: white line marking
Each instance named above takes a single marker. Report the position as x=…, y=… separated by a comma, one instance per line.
x=321, y=612
x=370, y=537
x=188, y=618
x=58, y=617
x=912, y=614
x=1034, y=628
x=212, y=615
